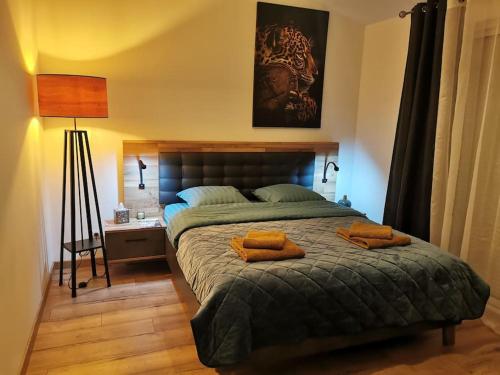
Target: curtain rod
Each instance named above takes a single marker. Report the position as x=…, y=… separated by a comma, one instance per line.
x=404, y=13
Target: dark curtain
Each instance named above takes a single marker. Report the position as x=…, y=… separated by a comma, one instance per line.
x=407, y=205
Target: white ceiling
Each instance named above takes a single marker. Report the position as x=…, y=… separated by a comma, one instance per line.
x=369, y=11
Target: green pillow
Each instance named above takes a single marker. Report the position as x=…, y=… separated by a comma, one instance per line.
x=207, y=195
x=287, y=193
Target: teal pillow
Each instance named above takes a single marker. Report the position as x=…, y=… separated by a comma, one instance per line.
x=207, y=195
x=287, y=193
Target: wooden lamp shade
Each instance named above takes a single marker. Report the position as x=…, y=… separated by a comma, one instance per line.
x=62, y=95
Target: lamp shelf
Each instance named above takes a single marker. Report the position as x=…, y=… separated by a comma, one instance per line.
x=84, y=245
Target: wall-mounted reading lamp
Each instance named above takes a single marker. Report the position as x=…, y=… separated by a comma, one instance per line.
x=141, y=167
x=335, y=168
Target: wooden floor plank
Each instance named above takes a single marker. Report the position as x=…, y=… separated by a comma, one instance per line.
x=127, y=315
x=119, y=292
x=140, y=326
x=163, y=322
x=94, y=334
x=116, y=292
x=110, y=349
x=83, y=322
x=83, y=309
x=175, y=360
x=30, y=371
x=128, y=365
x=104, y=350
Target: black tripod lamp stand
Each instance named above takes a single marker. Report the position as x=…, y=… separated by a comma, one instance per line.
x=74, y=96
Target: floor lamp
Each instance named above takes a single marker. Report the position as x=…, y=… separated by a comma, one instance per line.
x=73, y=96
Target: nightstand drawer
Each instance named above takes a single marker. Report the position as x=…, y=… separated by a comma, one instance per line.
x=135, y=244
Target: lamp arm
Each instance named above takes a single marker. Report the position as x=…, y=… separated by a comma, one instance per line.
x=335, y=168
x=141, y=167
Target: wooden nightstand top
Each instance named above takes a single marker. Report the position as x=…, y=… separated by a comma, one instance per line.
x=135, y=224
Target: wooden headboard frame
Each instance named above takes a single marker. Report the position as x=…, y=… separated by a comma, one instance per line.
x=148, y=151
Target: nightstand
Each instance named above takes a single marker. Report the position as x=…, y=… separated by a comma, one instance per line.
x=137, y=240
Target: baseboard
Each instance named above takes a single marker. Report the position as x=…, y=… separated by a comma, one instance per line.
x=37, y=322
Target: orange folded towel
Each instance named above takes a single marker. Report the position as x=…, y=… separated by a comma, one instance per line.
x=289, y=251
x=373, y=243
x=264, y=240
x=367, y=230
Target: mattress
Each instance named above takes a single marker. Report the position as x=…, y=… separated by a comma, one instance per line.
x=337, y=289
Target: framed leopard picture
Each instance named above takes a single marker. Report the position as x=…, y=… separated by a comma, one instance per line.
x=290, y=49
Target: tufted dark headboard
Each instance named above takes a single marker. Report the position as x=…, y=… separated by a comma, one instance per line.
x=244, y=170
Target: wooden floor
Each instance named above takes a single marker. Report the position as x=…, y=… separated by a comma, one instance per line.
x=138, y=326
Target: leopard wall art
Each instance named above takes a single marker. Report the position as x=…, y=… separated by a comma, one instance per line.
x=285, y=71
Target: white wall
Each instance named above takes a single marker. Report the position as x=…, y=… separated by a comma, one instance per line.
x=382, y=72
x=179, y=70
x=23, y=257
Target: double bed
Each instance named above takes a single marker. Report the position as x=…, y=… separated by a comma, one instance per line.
x=338, y=294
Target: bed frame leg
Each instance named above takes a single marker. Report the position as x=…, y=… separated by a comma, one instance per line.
x=449, y=336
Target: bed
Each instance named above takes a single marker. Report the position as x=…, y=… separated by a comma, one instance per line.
x=337, y=295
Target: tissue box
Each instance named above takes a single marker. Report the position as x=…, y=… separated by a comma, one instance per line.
x=122, y=216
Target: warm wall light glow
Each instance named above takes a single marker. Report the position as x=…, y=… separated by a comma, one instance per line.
x=94, y=29
x=30, y=60
x=34, y=125
x=23, y=18
x=30, y=64
x=33, y=139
